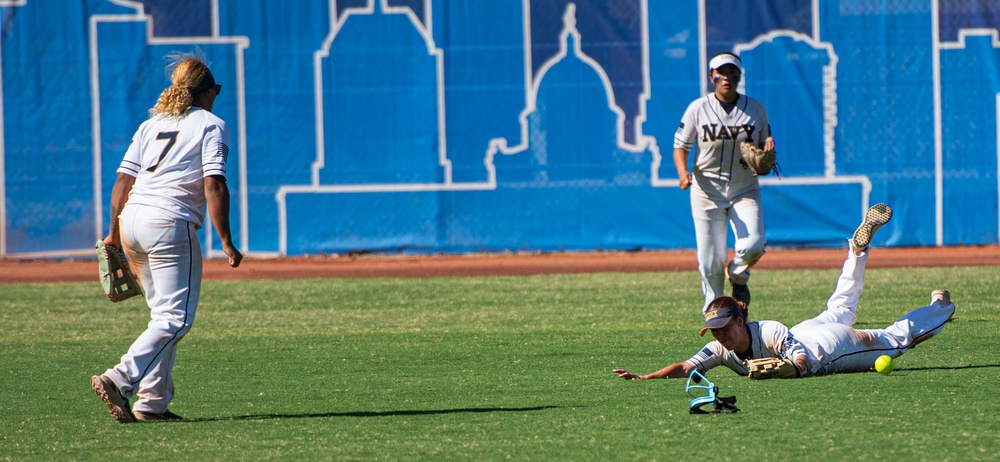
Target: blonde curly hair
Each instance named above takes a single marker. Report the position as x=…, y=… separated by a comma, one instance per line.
x=189, y=75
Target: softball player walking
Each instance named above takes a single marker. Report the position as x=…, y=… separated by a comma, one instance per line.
x=174, y=167
x=825, y=344
x=723, y=187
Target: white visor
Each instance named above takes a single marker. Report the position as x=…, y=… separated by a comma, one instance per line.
x=723, y=59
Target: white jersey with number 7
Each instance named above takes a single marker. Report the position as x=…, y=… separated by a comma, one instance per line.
x=170, y=159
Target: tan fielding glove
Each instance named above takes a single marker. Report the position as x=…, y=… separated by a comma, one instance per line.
x=760, y=161
x=772, y=368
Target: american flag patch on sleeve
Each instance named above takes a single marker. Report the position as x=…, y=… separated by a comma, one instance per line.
x=224, y=151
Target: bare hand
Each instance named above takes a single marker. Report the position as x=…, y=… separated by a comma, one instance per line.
x=769, y=144
x=685, y=180
x=626, y=374
x=235, y=257
x=113, y=241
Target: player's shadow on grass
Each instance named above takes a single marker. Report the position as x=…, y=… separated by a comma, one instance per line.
x=473, y=410
x=948, y=368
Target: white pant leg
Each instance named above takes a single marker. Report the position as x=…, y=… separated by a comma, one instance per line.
x=824, y=343
x=920, y=324
x=157, y=388
x=842, y=306
x=839, y=348
x=167, y=255
x=843, y=349
x=710, y=235
x=747, y=218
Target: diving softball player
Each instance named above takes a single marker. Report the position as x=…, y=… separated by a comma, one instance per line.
x=174, y=167
x=723, y=187
x=822, y=345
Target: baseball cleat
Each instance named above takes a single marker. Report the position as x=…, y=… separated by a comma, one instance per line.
x=109, y=393
x=742, y=293
x=875, y=217
x=941, y=297
x=149, y=416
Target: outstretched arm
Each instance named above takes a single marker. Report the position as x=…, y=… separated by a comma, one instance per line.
x=674, y=371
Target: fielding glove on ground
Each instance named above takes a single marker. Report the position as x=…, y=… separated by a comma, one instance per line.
x=116, y=277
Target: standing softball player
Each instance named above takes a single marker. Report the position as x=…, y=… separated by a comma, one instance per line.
x=174, y=167
x=723, y=187
x=822, y=345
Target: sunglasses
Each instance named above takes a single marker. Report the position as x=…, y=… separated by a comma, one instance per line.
x=218, y=89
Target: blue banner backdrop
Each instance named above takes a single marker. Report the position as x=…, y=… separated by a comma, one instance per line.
x=429, y=126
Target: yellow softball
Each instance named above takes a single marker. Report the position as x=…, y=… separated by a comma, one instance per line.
x=884, y=365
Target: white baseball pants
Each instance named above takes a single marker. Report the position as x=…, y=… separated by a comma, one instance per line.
x=711, y=216
x=166, y=255
x=834, y=346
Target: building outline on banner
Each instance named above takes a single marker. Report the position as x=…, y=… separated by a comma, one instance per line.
x=532, y=84
x=940, y=46
x=240, y=43
x=627, y=138
x=829, y=119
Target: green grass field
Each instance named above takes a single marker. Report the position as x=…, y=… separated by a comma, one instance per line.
x=492, y=368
